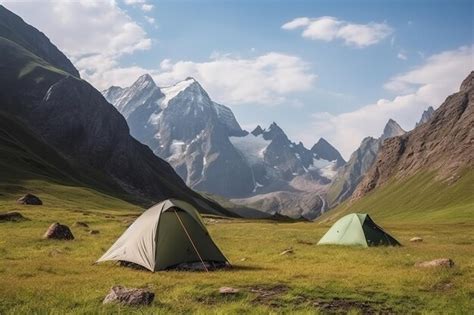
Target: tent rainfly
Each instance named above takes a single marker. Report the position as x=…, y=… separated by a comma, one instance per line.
x=166, y=235
x=357, y=229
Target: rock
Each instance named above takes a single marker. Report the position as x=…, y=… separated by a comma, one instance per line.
x=228, y=290
x=29, y=199
x=416, y=239
x=59, y=232
x=93, y=232
x=12, y=216
x=243, y=259
x=440, y=262
x=287, y=252
x=80, y=224
x=129, y=296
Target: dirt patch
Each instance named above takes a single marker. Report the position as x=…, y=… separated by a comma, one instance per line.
x=337, y=306
x=272, y=296
x=268, y=295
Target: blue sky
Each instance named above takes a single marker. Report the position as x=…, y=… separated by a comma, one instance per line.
x=337, y=85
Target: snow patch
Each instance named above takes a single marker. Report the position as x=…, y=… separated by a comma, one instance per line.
x=177, y=148
x=155, y=117
x=251, y=147
x=171, y=92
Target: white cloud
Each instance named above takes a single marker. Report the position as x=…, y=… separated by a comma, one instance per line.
x=129, y=2
x=85, y=29
x=265, y=79
x=149, y=19
x=94, y=34
x=328, y=28
x=425, y=85
x=147, y=7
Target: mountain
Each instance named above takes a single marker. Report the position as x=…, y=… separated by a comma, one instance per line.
x=206, y=146
x=182, y=125
x=426, y=175
x=392, y=129
x=427, y=114
x=13, y=28
x=76, y=123
x=326, y=151
x=443, y=145
x=350, y=175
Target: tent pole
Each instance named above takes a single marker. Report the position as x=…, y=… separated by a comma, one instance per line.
x=192, y=243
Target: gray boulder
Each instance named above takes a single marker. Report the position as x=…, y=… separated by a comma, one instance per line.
x=29, y=199
x=129, y=296
x=12, y=216
x=59, y=232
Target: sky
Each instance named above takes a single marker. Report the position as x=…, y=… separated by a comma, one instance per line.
x=332, y=69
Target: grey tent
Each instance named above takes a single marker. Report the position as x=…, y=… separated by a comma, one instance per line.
x=166, y=235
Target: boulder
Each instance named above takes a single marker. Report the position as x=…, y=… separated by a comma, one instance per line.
x=80, y=224
x=29, y=199
x=228, y=290
x=416, y=239
x=440, y=262
x=59, y=232
x=12, y=216
x=129, y=296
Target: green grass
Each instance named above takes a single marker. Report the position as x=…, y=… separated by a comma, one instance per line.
x=418, y=199
x=44, y=276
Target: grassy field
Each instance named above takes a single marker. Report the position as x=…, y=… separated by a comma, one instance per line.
x=45, y=276
x=418, y=199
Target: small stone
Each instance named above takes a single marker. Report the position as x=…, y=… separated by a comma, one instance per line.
x=416, y=239
x=243, y=259
x=80, y=224
x=59, y=232
x=228, y=290
x=440, y=262
x=287, y=252
x=12, y=216
x=29, y=199
x=93, y=232
x=129, y=296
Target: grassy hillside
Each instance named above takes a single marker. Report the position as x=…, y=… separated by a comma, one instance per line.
x=25, y=158
x=418, y=199
x=46, y=276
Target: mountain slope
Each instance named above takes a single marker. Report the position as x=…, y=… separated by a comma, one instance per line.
x=326, y=151
x=73, y=118
x=415, y=199
x=444, y=145
x=351, y=174
x=12, y=27
x=426, y=116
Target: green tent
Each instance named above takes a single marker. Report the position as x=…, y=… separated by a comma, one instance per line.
x=166, y=235
x=357, y=229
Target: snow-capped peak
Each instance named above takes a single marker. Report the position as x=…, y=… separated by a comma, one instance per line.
x=144, y=81
x=173, y=91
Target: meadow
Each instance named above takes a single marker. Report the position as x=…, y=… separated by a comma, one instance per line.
x=60, y=277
